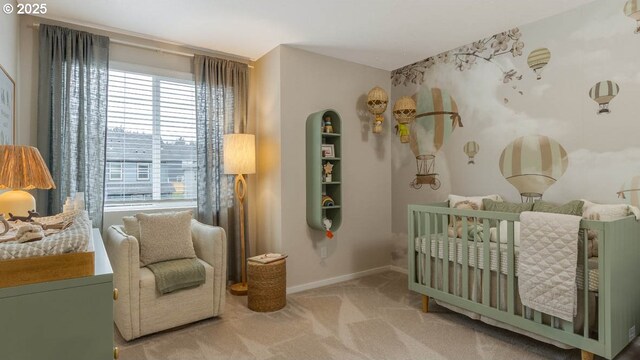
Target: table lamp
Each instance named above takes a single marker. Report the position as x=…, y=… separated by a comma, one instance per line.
x=240, y=158
x=21, y=168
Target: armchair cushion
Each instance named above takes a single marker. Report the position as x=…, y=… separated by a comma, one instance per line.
x=131, y=226
x=165, y=237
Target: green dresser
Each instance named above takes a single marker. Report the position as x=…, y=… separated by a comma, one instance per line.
x=68, y=319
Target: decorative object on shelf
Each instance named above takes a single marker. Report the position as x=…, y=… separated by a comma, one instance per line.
x=538, y=59
x=328, y=151
x=21, y=168
x=533, y=173
x=404, y=110
x=632, y=10
x=240, y=158
x=5, y=225
x=328, y=170
x=430, y=131
x=323, y=170
x=327, y=201
x=602, y=93
x=327, y=227
x=328, y=127
x=377, y=101
x=7, y=108
x=471, y=149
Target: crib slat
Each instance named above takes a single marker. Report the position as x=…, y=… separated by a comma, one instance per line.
x=427, y=256
x=445, y=254
x=486, y=278
x=411, y=240
x=511, y=269
x=537, y=316
x=474, y=288
x=585, y=270
x=499, y=266
x=601, y=276
x=465, y=260
x=436, y=259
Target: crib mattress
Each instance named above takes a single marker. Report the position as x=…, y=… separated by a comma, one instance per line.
x=437, y=240
x=76, y=238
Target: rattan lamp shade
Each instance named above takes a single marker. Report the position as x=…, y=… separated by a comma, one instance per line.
x=22, y=167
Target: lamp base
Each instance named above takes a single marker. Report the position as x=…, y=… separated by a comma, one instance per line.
x=17, y=202
x=239, y=289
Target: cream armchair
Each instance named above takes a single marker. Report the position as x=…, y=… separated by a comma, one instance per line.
x=140, y=310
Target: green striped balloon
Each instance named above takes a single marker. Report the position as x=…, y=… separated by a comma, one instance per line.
x=538, y=59
x=632, y=10
x=429, y=133
x=602, y=93
x=533, y=163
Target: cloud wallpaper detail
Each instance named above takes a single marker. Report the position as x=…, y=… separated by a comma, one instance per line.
x=572, y=79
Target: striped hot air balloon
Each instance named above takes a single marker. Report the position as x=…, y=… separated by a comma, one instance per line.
x=471, y=148
x=632, y=10
x=602, y=93
x=434, y=121
x=630, y=191
x=532, y=164
x=538, y=59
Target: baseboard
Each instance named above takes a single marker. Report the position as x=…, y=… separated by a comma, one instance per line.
x=337, y=279
x=398, y=269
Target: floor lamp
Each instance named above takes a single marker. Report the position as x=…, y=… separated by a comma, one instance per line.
x=240, y=158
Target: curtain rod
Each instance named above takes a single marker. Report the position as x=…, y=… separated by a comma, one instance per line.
x=153, y=48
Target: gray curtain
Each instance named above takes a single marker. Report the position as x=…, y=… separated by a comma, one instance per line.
x=221, y=108
x=72, y=116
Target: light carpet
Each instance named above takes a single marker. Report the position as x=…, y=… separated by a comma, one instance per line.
x=375, y=317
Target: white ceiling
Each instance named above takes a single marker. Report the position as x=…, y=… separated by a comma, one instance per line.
x=386, y=34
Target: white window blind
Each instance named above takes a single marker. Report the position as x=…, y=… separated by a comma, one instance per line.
x=151, y=138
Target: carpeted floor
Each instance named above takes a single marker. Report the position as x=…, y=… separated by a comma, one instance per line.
x=375, y=317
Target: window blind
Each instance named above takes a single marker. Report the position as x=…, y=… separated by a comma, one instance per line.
x=151, y=139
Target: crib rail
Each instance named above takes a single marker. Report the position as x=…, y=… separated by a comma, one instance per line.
x=442, y=269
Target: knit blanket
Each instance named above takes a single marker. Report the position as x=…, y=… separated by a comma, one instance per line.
x=173, y=275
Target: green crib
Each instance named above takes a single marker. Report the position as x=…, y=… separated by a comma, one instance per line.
x=608, y=316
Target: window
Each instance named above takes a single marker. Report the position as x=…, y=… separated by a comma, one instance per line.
x=115, y=171
x=151, y=138
x=143, y=173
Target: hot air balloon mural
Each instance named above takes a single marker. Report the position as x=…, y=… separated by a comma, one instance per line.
x=630, y=191
x=471, y=149
x=602, y=93
x=532, y=164
x=404, y=110
x=632, y=10
x=437, y=116
x=538, y=59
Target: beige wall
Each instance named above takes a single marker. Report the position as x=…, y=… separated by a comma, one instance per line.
x=267, y=85
x=309, y=83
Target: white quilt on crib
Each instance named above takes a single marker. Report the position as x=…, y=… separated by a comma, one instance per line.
x=548, y=262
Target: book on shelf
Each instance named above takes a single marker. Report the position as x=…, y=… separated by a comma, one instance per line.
x=267, y=258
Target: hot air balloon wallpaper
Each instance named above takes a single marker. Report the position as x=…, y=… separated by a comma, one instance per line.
x=538, y=59
x=602, y=93
x=437, y=117
x=630, y=191
x=404, y=110
x=632, y=10
x=471, y=149
x=532, y=164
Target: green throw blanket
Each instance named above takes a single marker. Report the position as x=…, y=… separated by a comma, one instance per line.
x=178, y=274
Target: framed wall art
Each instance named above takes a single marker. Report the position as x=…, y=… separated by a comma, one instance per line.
x=328, y=151
x=7, y=108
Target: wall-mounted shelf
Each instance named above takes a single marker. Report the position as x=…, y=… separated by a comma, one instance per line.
x=316, y=186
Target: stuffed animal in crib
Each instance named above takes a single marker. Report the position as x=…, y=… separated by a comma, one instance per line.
x=455, y=229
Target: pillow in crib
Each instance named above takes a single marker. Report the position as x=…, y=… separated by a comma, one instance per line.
x=503, y=206
x=504, y=235
x=477, y=200
x=573, y=207
x=606, y=212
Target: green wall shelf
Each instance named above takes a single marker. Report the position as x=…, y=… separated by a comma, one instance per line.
x=316, y=186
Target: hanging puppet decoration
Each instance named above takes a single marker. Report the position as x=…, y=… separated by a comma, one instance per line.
x=471, y=149
x=404, y=110
x=377, y=101
x=538, y=59
x=532, y=164
x=602, y=93
x=632, y=10
x=437, y=117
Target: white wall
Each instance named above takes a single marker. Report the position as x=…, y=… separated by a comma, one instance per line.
x=310, y=83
